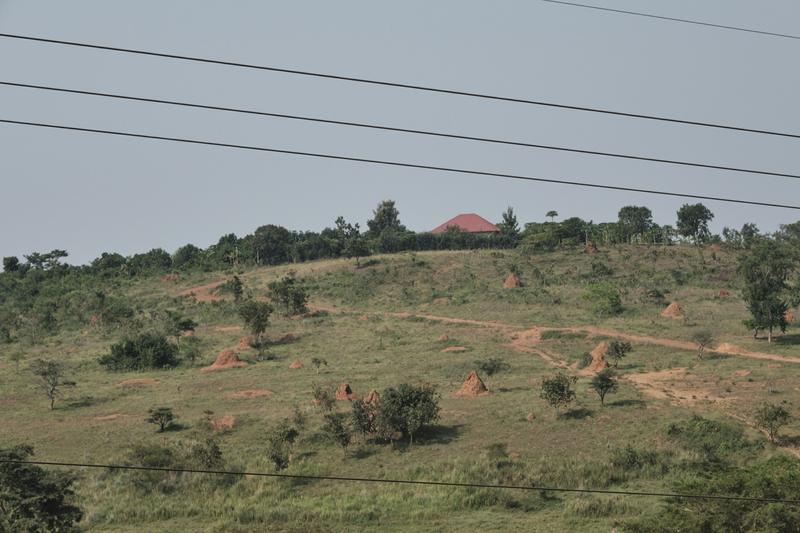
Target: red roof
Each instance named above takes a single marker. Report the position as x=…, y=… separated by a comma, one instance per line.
x=469, y=222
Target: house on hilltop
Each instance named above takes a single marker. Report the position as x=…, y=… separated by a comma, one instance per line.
x=469, y=223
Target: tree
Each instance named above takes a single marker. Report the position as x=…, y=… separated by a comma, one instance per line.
x=10, y=264
x=693, y=222
x=256, y=317
x=190, y=349
x=385, y=217
x=279, y=444
x=509, y=226
x=605, y=299
x=703, y=338
x=634, y=220
x=618, y=350
x=552, y=215
x=492, y=365
x=356, y=247
x=603, y=383
x=34, y=499
x=161, y=416
x=557, y=391
x=272, y=244
x=766, y=270
x=407, y=408
x=322, y=397
x=145, y=351
x=289, y=294
x=771, y=418
x=318, y=362
x=50, y=376
x=337, y=431
x=186, y=256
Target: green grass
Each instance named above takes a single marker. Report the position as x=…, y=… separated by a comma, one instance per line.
x=576, y=450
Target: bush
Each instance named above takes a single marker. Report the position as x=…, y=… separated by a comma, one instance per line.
x=34, y=499
x=406, y=409
x=714, y=440
x=557, y=391
x=289, y=295
x=771, y=418
x=604, y=298
x=147, y=351
x=160, y=416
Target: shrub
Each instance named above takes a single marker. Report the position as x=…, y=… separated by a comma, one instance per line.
x=714, y=440
x=337, y=430
x=34, y=499
x=618, y=350
x=492, y=366
x=406, y=409
x=279, y=444
x=557, y=391
x=603, y=383
x=161, y=416
x=604, y=298
x=289, y=295
x=143, y=352
x=256, y=317
x=771, y=418
x=50, y=376
x=322, y=397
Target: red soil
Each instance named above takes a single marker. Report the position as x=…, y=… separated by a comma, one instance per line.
x=344, y=392
x=673, y=310
x=225, y=360
x=472, y=386
x=512, y=281
x=225, y=423
x=296, y=364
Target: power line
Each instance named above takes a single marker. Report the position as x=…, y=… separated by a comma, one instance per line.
x=407, y=482
x=400, y=130
x=401, y=85
x=674, y=19
x=396, y=164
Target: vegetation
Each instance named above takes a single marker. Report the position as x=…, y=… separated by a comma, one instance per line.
x=146, y=351
x=771, y=418
x=50, y=378
x=618, y=350
x=406, y=409
x=290, y=296
x=160, y=416
x=256, y=318
x=557, y=391
x=35, y=499
x=603, y=383
x=604, y=299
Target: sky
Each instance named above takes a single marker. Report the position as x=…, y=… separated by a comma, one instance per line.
x=89, y=193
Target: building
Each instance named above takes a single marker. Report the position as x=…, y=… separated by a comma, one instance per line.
x=470, y=223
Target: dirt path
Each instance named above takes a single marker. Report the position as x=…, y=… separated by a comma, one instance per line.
x=204, y=293
x=531, y=336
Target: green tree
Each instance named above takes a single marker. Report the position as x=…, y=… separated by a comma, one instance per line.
x=407, y=408
x=318, y=362
x=385, y=217
x=289, y=294
x=280, y=441
x=557, y=391
x=272, y=245
x=50, y=378
x=604, y=383
x=34, y=499
x=492, y=365
x=693, y=222
x=256, y=317
x=634, y=220
x=190, y=349
x=766, y=270
x=771, y=418
x=552, y=215
x=186, y=256
x=509, y=226
x=618, y=350
x=356, y=247
x=145, y=351
x=604, y=298
x=322, y=397
x=10, y=264
x=163, y=417
x=703, y=338
x=337, y=430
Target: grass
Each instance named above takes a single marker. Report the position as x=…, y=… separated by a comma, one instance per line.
x=578, y=450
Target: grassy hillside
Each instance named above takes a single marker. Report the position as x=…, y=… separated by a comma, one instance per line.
x=380, y=326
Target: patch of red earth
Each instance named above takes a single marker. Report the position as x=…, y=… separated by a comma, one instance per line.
x=344, y=392
x=253, y=393
x=512, y=281
x=451, y=349
x=225, y=360
x=225, y=423
x=443, y=338
x=473, y=386
x=296, y=364
x=673, y=310
x=139, y=382
x=204, y=293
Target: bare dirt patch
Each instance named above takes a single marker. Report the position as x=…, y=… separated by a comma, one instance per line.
x=296, y=364
x=225, y=423
x=451, y=349
x=138, y=382
x=675, y=385
x=512, y=281
x=107, y=418
x=443, y=338
x=252, y=393
x=225, y=360
x=204, y=293
x=599, y=362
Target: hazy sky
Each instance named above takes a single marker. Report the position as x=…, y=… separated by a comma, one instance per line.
x=90, y=193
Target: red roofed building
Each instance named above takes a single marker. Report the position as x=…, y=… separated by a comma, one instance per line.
x=469, y=222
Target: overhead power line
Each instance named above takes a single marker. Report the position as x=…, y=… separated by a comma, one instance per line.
x=396, y=163
x=674, y=19
x=452, y=484
x=400, y=85
x=400, y=130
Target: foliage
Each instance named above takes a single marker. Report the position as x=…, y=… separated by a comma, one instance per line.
x=256, y=317
x=279, y=444
x=163, y=417
x=337, y=430
x=34, y=499
x=143, y=352
x=557, y=391
x=713, y=440
x=771, y=418
x=634, y=220
x=604, y=298
x=603, y=383
x=385, y=217
x=693, y=222
x=406, y=409
x=492, y=365
x=766, y=270
x=509, y=226
x=318, y=362
x=322, y=397
x=703, y=338
x=233, y=286
x=190, y=349
x=618, y=350
x=50, y=377
x=289, y=294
